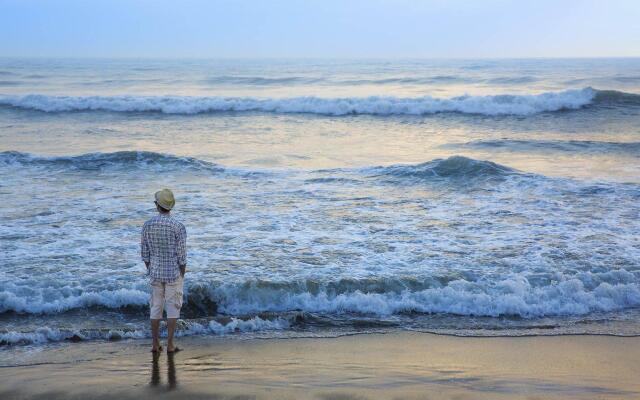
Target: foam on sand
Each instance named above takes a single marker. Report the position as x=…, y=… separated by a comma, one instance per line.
x=222, y=326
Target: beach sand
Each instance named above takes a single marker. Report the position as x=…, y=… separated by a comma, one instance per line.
x=374, y=366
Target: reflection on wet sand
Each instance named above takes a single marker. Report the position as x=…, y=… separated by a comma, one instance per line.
x=155, y=370
x=396, y=365
x=156, y=380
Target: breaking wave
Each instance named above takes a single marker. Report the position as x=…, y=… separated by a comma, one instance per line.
x=515, y=296
x=378, y=105
x=509, y=295
x=12, y=302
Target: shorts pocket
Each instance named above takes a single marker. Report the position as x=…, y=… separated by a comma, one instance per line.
x=178, y=292
x=178, y=298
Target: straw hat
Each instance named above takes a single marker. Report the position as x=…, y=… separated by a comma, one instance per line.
x=165, y=199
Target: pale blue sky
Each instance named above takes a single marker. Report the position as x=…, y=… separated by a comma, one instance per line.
x=320, y=28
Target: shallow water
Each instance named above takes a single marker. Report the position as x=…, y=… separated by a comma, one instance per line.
x=462, y=197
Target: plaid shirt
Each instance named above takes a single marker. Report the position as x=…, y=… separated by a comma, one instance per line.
x=164, y=245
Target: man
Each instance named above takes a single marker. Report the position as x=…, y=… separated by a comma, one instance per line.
x=164, y=244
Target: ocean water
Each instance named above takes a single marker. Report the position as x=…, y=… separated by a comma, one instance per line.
x=323, y=197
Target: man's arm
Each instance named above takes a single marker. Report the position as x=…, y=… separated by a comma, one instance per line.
x=181, y=241
x=144, y=249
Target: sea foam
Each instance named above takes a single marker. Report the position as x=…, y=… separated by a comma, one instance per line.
x=186, y=328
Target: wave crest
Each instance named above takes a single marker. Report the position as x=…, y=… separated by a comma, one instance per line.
x=569, y=146
x=455, y=167
x=119, y=159
x=383, y=106
x=614, y=98
x=514, y=296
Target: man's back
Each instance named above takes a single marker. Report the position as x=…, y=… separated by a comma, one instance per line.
x=164, y=247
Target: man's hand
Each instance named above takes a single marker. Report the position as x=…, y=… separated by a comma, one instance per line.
x=183, y=270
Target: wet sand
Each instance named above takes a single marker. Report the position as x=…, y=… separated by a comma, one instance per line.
x=390, y=366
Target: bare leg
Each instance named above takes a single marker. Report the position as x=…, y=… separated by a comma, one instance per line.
x=155, y=333
x=171, y=328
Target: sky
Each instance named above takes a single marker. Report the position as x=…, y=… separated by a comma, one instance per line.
x=320, y=28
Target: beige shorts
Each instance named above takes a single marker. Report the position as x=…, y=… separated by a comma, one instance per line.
x=166, y=296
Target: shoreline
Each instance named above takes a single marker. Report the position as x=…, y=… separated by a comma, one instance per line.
x=369, y=366
x=17, y=339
